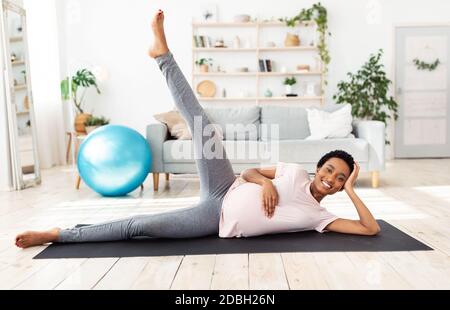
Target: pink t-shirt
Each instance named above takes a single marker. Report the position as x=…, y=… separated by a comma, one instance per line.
x=297, y=210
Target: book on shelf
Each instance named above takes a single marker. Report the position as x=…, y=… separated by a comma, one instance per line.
x=269, y=65
x=265, y=65
x=262, y=66
x=201, y=41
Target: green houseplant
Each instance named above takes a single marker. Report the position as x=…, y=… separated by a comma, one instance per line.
x=204, y=64
x=317, y=13
x=94, y=122
x=289, y=82
x=367, y=92
x=71, y=88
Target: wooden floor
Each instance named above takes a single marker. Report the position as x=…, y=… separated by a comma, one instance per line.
x=414, y=196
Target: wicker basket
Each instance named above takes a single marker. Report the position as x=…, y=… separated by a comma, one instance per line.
x=292, y=40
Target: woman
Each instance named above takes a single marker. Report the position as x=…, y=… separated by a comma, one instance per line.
x=228, y=205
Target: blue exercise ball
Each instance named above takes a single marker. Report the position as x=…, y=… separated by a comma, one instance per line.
x=114, y=160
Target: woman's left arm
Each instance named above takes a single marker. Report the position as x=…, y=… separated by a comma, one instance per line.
x=366, y=225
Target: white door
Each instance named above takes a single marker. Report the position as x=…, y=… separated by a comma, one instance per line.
x=423, y=126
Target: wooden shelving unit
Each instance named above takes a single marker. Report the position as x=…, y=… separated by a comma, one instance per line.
x=257, y=76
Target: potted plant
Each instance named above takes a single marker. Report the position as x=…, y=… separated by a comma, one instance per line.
x=94, y=122
x=70, y=87
x=289, y=82
x=367, y=92
x=204, y=64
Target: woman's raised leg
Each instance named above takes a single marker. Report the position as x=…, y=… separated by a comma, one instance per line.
x=215, y=171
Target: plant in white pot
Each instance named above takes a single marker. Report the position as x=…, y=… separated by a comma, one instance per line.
x=94, y=122
x=367, y=91
x=289, y=82
x=70, y=88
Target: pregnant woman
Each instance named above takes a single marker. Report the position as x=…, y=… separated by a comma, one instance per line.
x=259, y=201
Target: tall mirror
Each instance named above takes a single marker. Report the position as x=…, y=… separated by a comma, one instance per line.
x=21, y=117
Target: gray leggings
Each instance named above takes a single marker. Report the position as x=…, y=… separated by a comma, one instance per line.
x=216, y=177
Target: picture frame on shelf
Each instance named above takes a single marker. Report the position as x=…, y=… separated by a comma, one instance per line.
x=310, y=89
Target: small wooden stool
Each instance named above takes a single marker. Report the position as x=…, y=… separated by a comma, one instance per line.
x=78, y=137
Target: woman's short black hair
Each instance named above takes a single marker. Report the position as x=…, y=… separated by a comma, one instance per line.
x=337, y=154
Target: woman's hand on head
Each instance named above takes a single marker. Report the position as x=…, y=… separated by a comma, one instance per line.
x=269, y=198
x=352, y=178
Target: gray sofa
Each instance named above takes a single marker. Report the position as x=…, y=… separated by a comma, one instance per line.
x=256, y=136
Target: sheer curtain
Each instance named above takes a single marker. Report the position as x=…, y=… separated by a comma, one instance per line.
x=45, y=79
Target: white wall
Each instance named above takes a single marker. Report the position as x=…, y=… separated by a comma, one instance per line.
x=116, y=35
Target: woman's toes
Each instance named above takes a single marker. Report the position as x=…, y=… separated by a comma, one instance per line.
x=19, y=237
x=20, y=243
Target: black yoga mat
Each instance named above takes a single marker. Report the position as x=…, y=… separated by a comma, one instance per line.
x=390, y=239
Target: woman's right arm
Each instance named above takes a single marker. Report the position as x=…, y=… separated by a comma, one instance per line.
x=259, y=175
x=264, y=177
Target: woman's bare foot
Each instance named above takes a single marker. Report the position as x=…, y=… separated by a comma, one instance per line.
x=32, y=238
x=159, y=47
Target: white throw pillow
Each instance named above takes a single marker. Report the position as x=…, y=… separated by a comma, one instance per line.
x=337, y=124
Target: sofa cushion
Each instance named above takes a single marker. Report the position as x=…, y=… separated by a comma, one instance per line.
x=175, y=123
x=292, y=122
x=323, y=124
x=243, y=122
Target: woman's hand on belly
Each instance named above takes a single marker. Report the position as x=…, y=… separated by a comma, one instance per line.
x=269, y=198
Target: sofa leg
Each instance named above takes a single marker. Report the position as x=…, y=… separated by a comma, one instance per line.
x=375, y=179
x=167, y=176
x=155, y=181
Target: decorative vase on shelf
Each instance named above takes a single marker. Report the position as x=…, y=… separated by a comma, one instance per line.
x=236, y=42
x=291, y=40
x=268, y=93
x=80, y=119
